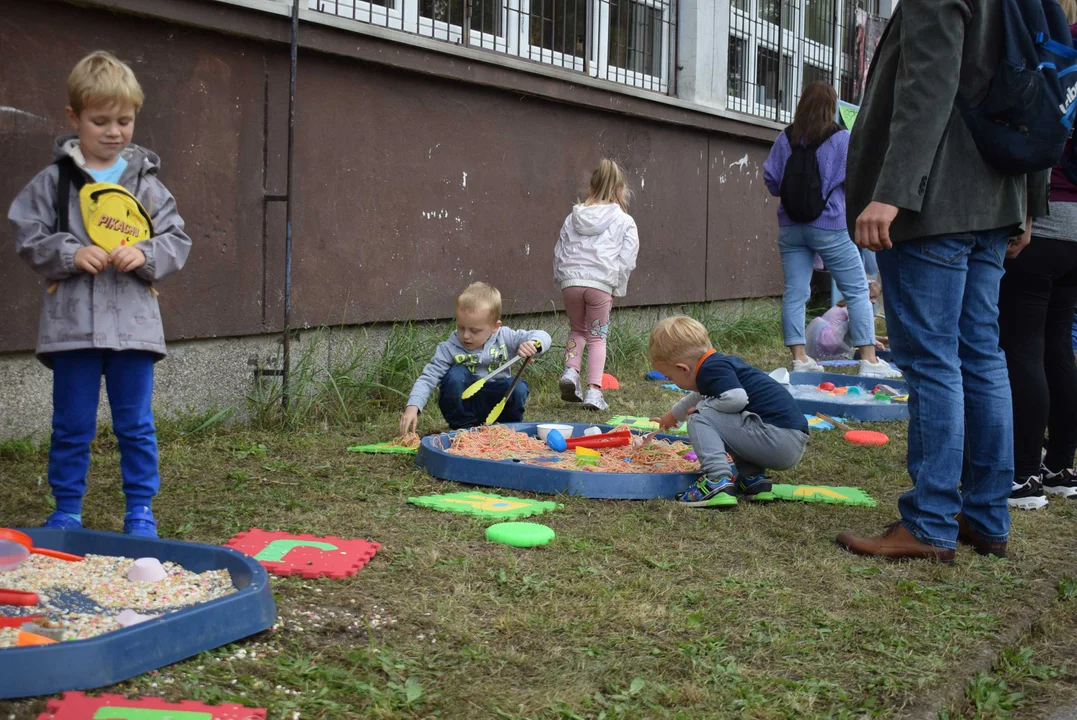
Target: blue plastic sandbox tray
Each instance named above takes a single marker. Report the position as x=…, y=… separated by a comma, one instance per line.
x=116, y=656
x=863, y=411
x=521, y=476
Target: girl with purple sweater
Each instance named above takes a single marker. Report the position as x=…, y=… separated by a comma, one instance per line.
x=826, y=235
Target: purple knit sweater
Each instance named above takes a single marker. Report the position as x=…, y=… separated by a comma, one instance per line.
x=831, y=156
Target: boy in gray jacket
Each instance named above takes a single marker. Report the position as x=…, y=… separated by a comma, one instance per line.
x=99, y=312
x=478, y=345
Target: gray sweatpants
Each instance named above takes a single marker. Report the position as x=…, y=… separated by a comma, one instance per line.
x=753, y=444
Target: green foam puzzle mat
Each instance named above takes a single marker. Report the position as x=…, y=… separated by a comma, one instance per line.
x=824, y=494
x=383, y=447
x=485, y=505
x=643, y=424
x=518, y=534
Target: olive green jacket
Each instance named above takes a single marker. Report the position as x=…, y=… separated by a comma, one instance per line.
x=910, y=146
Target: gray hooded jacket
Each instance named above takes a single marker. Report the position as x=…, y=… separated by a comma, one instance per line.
x=498, y=350
x=110, y=310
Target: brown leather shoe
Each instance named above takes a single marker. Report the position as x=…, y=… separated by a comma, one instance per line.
x=895, y=543
x=976, y=541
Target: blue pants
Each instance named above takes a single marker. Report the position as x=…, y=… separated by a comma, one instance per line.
x=941, y=298
x=472, y=412
x=76, y=391
x=798, y=245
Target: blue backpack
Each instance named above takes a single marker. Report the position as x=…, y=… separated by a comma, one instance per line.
x=1022, y=124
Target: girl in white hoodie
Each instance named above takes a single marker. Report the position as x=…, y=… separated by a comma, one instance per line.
x=592, y=261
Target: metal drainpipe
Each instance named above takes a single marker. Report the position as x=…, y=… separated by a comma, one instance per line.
x=285, y=400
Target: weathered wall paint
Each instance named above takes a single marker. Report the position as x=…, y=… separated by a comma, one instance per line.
x=407, y=186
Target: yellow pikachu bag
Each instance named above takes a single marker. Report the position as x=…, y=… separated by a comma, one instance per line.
x=113, y=216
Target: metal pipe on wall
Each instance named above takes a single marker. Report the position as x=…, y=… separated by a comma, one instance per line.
x=287, y=365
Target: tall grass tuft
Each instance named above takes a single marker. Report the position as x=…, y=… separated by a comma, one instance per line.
x=340, y=379
x=736, y=330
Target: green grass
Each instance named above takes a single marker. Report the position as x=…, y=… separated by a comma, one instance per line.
x=636, y=610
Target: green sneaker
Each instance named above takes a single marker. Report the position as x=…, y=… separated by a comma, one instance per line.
x=720, y=493
x=755, y=489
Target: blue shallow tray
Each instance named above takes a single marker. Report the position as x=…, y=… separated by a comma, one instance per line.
x=875, y=412
x=123, y=654
x=517, y=475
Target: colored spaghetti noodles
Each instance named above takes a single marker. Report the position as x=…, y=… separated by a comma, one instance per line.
x=407, y=440
x=497, y=442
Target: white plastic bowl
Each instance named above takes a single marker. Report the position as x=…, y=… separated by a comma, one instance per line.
x=544, y=430
x=146, y=570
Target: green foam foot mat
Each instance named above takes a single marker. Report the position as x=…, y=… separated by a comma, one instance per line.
x=643, y=424
x=824, y=494
x=485, y=505
x=383, y=447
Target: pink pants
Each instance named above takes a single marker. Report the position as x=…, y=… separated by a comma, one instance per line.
x=588, y=313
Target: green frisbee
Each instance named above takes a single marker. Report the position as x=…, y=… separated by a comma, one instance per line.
x=519, y=534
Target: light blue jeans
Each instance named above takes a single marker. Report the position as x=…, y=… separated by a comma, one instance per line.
x=798, y=245
x=941, y=298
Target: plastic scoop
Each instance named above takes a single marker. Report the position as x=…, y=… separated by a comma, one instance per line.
x=24, y=540
x=18, y=622
x=18, y=597
x=12, y=555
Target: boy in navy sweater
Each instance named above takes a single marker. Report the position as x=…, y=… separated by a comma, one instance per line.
x=733, y=408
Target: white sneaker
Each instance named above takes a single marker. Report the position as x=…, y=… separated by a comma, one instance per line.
x=592, y=400
x=808, y=365
x=878, y=369
x=570, y=386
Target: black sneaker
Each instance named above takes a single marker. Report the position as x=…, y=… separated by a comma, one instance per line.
x=1028, y=495
x=755, y=489
x=1060, y=483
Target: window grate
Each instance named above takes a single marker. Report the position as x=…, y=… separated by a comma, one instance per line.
x=631, y=42
x=776, y=47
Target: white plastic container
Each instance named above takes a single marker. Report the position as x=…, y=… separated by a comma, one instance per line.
x=592, y=431
x=129, y=617
x=544, y=430
x=146, y=570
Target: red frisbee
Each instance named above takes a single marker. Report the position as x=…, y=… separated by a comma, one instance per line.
x=866, y=437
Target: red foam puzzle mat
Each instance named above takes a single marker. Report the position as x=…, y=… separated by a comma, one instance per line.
x=309, y=556
x=79, y=706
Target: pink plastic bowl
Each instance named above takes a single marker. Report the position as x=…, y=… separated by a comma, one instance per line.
x=11, y=555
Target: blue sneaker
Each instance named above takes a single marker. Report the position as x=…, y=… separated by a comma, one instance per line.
x=756, y=489
x=63, y=521
x=705, y=493
x=140, y=523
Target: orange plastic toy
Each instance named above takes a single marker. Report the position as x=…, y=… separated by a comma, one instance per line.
x=27, y=639
x=24, y=540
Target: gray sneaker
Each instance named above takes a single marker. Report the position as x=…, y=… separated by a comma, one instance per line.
x=592, y=400
x=570, y=386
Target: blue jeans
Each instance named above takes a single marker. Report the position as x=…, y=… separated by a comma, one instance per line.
x=76, y=391
x=460, y=413
x=798, y=245
x=941, y=298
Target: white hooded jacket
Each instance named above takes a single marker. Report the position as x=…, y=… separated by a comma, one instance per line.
x=597, y=249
